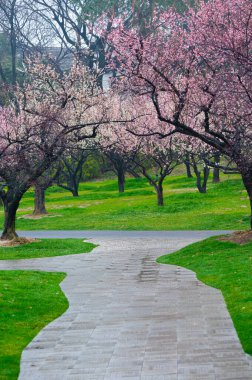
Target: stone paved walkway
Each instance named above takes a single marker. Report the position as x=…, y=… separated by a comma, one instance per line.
x=130, y=318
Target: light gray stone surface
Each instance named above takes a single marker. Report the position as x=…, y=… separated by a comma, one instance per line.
x=130, y=318
x=108, y=234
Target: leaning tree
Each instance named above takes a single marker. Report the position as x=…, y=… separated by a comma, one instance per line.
x=196, y=69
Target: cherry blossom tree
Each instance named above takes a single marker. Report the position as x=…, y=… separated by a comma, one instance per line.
x=135, y=145
x=36, y=127
x=120, y=162
x=120, y=149
x=156, y=160
x=196, y=69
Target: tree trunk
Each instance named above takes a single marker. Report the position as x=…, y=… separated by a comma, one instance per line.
x=206, y=171
x=39, y=200
x=75, y=192
x=247, y=181
x=188, y=170
x=188, y=167
x=216, y=170
x=10, y=210
x=121, y=180
x=202, y=187
x=160, y=194
x=73, y=184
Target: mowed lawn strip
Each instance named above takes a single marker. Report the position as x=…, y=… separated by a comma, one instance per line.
x=29, y=300
x=226, y=266
x=101, y=207
x=46, y=248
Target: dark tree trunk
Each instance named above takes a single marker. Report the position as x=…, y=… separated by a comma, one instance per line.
x=188, y=167
x=160, y=194
x=121, y=180
x=216, y=170
x=39, y=200
x=74, y=186
x=202, y=186
x=188, y=170
x=247, y=181
x=10, y=210
x=75, y=191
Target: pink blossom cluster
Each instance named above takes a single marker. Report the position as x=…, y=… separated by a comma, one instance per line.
x=50, y=112
x=196, y=70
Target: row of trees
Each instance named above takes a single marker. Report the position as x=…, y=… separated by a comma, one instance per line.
x=196, y=70
x=180, y=89
x=39, y=121
x=154, y=159
x=48, y=115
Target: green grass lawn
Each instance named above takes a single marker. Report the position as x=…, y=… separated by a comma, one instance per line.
x=226, y=266
x=46, y=248
x=101, y=207
x=29, y=300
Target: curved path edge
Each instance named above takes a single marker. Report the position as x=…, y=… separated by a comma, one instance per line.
x=131, y=318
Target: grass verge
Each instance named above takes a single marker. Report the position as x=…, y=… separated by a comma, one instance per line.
x=29, y=300
x=101, y=207
x=46, y=248
x=226, y=266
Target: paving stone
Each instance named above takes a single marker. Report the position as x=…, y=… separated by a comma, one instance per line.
x=131, y=318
